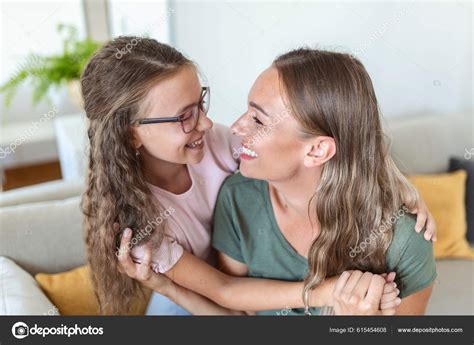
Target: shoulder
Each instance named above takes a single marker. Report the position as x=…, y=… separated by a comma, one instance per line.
x=219, y=132
x=405, y=236
x=222, y=147
x=241, y=185
x=237, y=179
x=241, y=194
x=220, y=136
x=404, y=229
x=411, y=257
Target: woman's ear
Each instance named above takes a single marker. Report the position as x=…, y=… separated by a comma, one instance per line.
x=319, y=151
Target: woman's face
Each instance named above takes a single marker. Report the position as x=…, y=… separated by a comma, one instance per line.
x=272, y=148
x=171, y=97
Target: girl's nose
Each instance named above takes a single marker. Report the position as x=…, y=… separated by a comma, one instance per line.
x=204, y=123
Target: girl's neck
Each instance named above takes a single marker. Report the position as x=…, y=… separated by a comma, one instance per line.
x=172, y=177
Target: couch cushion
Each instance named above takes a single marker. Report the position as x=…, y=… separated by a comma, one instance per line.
x=73, y=294
x=467, y=165
x=444, y=195
x=453, y=291
x=19, y=292
x=423, y=144
x=43, y=237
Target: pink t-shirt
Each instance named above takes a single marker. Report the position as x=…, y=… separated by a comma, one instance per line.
x=190, y=214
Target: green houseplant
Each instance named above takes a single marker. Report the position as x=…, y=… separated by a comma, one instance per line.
x=46, y=72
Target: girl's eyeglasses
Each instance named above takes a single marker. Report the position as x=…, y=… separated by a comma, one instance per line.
x=189, y=118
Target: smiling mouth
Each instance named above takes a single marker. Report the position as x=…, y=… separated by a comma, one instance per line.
x=247, y=153
x=196, y=144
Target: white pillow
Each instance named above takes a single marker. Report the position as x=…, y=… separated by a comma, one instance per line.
x=19, y=292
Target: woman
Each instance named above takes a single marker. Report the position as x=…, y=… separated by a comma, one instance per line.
x=319, y=184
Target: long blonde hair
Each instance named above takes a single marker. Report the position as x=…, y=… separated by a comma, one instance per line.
x=361, y=188
x=114, y=84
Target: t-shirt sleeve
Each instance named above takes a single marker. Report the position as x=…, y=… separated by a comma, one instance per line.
x=415, y=264
x=163, y=258
x=226, y=236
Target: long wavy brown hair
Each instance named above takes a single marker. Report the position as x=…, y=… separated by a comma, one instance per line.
x=115, y=83
x=361, y=189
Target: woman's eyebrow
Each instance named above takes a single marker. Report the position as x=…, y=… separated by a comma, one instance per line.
x=258, y=107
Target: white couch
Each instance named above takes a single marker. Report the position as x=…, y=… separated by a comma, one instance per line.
x=40, y=226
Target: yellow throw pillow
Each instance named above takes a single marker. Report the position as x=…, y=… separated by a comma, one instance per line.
x=72, y=293
x=444, y=195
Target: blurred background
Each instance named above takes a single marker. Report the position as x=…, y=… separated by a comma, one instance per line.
x=418, y=53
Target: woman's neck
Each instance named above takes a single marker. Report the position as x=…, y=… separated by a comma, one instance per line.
x=290, y=200
x=172, y=177
x=295, y=193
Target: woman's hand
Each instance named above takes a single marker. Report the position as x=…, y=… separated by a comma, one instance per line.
x=424, y=219
x=141, y=271
x=358, y=293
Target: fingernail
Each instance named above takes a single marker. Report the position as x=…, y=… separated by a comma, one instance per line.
x=398, y=300
x=394, y=284
x=127, y=232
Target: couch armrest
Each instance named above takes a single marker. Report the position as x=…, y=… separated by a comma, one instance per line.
x=43, y=237
x=53, y=190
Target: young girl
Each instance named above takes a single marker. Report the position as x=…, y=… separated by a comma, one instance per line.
x=156, y=166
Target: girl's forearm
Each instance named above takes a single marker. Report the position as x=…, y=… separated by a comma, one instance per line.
x=239, y=293
x=195, y=303
x=266, y=294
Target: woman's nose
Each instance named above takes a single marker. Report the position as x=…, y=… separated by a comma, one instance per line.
x=240, y=127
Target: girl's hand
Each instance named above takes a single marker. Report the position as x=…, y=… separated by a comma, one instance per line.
x=358, y=293
x=424, y=219
x=389, y=298
x=141, y=271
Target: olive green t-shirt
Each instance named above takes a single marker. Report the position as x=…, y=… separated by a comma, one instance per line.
x=246, y=230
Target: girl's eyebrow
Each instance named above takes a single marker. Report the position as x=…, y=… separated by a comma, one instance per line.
x=186, y=108
x=183, y=109
x=258, y=107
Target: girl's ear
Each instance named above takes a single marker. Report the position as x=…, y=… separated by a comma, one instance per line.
x=136, y=140
x=319, y=151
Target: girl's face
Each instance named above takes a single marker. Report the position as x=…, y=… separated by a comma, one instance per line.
x=272, y=148
x=171, y=97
